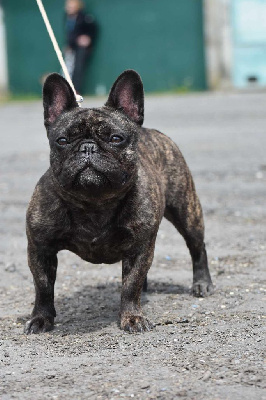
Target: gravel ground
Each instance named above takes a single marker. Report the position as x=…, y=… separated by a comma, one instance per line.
x=205, y=349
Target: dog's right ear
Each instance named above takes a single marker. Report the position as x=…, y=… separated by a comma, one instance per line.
x=58, y=97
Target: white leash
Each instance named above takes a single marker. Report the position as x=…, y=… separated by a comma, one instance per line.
x=58, y=51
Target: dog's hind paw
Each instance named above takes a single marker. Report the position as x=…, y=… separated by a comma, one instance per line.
x=202, y=289
x=38, y=324
x=136, y=323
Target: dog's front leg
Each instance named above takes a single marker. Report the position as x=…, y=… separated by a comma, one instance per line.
x=43, y=267
x=134, y=272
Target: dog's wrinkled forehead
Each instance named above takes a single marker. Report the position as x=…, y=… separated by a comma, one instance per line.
x=92, y=120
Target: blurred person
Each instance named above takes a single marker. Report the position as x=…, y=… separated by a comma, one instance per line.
x=80, y=31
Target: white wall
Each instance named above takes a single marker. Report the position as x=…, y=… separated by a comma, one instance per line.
x=218, y=43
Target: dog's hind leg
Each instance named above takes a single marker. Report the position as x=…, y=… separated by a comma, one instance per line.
x=183, y=209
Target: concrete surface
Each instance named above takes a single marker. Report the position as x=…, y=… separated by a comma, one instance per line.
x=201, y=348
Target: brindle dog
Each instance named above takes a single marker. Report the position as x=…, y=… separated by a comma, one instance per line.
x=108, y=187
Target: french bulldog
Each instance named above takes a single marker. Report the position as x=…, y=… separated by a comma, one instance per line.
x=109, y=184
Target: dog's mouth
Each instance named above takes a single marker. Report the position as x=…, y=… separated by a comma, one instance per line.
x=89, y=176
x=113, y=180
x=95, y=176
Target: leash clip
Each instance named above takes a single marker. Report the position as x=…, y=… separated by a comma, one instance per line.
x=79, y=99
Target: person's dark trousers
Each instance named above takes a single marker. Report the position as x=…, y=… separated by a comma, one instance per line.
x=81, y=59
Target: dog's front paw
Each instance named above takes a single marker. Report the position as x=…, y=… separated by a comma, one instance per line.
x=136, y=323
x=39, y=324
x=202, y=289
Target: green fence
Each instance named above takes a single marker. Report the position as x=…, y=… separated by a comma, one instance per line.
x=162, y=40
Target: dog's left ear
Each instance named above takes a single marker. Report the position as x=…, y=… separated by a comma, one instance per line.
x=58, y=97
x=127, y=95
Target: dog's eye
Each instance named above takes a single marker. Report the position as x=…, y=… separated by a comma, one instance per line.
x=62, y=141
x=116, y=139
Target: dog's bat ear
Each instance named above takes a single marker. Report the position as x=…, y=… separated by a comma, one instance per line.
x=58, y=97
x=127, y=95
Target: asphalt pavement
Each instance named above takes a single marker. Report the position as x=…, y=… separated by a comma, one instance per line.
x=200, y=349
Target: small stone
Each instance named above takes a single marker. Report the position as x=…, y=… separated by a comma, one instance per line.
x=11, y=267
x=182, y=321
x=145, y=385
x=168, y=322
x=206, y=376
x=182, y=393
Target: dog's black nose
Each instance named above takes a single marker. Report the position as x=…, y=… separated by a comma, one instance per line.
x=87, y=148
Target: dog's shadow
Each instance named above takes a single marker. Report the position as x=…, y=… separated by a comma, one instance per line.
x=93, y=308
x=96, y=307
